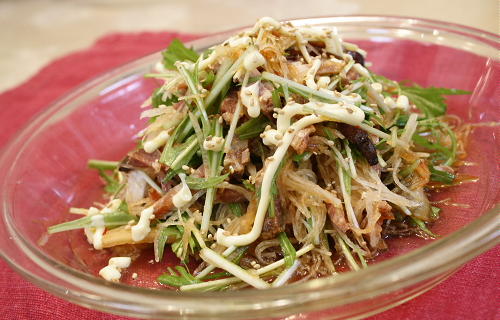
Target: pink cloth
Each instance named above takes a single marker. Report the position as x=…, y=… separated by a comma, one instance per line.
x=471, y=293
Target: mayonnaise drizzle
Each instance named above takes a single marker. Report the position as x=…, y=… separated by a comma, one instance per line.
x=282, y=137
x=142, y=228
x=266, y=23
x=237, y=41
x=250, y=99
x=112, y=272
x=97, y=227
x=183, y=196
x=311, y=73
x=213, y=143
x=97, y=238
x=97, y=220
x=253, y=60
x=158, y=141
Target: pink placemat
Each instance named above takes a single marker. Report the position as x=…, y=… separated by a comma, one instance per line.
x=471, y=293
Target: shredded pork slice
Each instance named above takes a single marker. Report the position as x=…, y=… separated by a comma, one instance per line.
x=301, y=140
x=337, y=217
x=165, y=203
x=229, y=196
x=237, y=157
x=266, y=99
x=228, y=106
x=273, y=225
x=140, y=159
x=384, y=210
x=330, y=67
x=298, y=71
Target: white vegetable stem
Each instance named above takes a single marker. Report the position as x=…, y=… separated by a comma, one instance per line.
x=261, y=271
x=234, y=120
x=224, y=79
x=324, y=94
x=210, y=268
x=286, y=275
x=216, y=259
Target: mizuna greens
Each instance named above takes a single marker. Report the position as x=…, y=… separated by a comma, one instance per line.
x=275, y=157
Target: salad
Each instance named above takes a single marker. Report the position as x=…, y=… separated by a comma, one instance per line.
x=274, y=157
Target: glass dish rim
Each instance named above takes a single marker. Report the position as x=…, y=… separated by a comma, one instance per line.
x=474, y=238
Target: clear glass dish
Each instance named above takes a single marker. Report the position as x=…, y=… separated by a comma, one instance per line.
x=43, y=173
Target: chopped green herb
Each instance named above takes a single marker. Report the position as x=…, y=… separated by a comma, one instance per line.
x=176, y=51
x=441, y=176
x=196, y=183
x=209, y=79
x=409, y=169
x=435, y=211
x=302, y=157
x=176, y=279
x=329, y=134
x=236, y=209
x=102, y=164
x=288, y=249
x=276, y=98
x=177, y=156
x=421, y=224
x=274, y=189
x=253, y=127
x=402, y=120
x=218, y=275
x=166, y=233
x=236, y=256
x=157, y=99
x=430, y=101
x=113, y=219
x=248, y=185
x=112, y=185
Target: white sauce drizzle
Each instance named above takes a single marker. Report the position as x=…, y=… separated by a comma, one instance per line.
x=250, y=99
x=97, y=227
x=266, y=23
x=311, y=73
x=244, y=41
x=158, y=141
x=97, y=238
x=400, y=103
x=377, y=87
x=142, y=228
x=253, y=60
x=213, y=143
x=206, y=62
x=361, y=70
x=183, y=196
x=341, y=112
x=403, y=103
x=323, y=82
x=97, y=220
x=112, y=272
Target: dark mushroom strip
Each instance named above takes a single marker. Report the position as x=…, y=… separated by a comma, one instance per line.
x=357, y=57
x=140, y=159
x=361, y=140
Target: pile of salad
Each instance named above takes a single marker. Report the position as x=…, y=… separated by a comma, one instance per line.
x=274, y=157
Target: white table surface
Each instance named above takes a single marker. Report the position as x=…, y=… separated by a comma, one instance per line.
x=34, y=32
